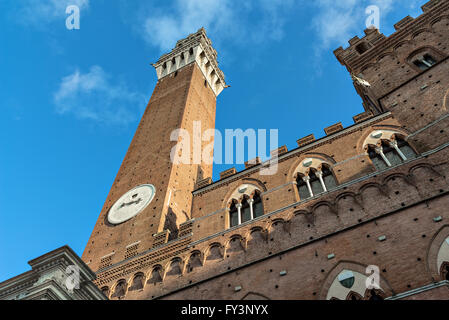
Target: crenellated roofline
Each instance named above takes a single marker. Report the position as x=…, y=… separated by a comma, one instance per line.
x=376, y=43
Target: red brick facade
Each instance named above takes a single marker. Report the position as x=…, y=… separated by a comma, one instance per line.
x=182, y=246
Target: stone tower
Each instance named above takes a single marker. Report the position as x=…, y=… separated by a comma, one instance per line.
x=151, y=196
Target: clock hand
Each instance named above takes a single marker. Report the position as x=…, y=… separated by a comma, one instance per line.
x=124, y=204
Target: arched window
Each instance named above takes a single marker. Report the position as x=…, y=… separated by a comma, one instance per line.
x=105, y=291
x=376, y=158
x=302, y=187
x=425, y=62
x=328, y=178
x=390, y=153
x=406, y=150
x=156, y=275
x=257, y=205
x=120, y=289
x=248, y=209
x=424, y=58
x=138, y=282
x=351, y=285
x=315, y=182
x=234, y=214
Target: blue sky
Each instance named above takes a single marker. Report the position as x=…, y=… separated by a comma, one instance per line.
x=71, y=99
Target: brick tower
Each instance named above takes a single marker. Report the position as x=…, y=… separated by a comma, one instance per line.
x=151, y=196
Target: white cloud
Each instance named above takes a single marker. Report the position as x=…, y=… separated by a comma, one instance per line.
x=92, y=96
x=228, y=19
x=40, y=12
x=338, y=21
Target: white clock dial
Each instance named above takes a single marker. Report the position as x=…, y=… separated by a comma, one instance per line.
x=131, y=203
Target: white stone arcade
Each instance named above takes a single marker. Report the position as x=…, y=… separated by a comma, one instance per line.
x=197, y=47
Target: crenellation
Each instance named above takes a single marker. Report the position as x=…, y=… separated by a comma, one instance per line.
x=333, y=128
x=203, y=183
x=252, y=162
x=362, y=116
x=227, y=173
x=404, y=22
x=306, y=140
x=279, y=151
x=430, y=4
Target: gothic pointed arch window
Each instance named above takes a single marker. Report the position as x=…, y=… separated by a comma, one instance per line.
x=390, y=153
x=315, y=181
x=247, y=209
x=351, y=285
x=138, y=282
x=120, y=289
x=155, y=275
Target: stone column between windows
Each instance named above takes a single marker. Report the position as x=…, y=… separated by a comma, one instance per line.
x=319, y=174
x=425, y=62
x=394, y=144
x=239, y=213
x=380, y=152
x=307, y=181
x=251, y=201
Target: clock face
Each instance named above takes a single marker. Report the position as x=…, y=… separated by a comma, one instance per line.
x=131, y=203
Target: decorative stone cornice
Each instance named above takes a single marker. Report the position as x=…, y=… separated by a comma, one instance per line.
x=197, y=47
x=48, y=277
